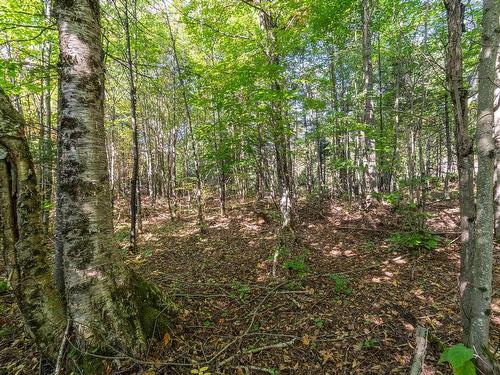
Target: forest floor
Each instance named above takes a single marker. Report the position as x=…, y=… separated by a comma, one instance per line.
x=344, y=301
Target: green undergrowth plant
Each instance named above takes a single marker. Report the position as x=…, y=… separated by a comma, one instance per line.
x=394, y=198
x=414, y=234
x=369, y=245
x=4, y=286
x=274, y=215
x=412, y=216
x=341, y=284
x=459, y=358
x=319, y=323
x=414, y=240
x=368, y=343
x=147, y=252
x=241, y=290
x=297, y=265
x=121, y=235
x=201, y=371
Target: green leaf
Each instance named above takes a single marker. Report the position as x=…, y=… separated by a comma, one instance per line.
x=457, y=356
x=467, y=369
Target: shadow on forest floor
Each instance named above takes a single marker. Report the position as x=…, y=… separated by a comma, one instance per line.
x=343, y=302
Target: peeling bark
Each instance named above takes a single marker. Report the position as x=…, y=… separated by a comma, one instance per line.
x=110, y=307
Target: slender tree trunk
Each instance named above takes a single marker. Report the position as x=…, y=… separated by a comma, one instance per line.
x=482, y=260
x=93, y=270
x=449, y=152
x=382, y=173
x=48, y=157
x=135, y=133
x=396, y=130
x=369, y=116
x=455, y=14
x=278, y=128
x=199, y=184
x=497, y=149
x=259, y=166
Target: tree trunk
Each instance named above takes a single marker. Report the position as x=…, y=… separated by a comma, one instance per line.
x=93, y=269
x=368, y=117
x=47, y=153
x=135, y=137
x=482, y=260
x=459, y=95
x=194, y=150
x=24, y=246
x=497, y=148
x=278, y=128
x=449, y=152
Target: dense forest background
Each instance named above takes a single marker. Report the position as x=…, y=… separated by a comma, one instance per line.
x=310, y=184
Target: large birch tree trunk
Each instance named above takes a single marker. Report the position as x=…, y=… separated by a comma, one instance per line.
x=109, y=306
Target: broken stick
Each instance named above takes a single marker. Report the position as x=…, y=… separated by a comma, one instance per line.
x=418, y=360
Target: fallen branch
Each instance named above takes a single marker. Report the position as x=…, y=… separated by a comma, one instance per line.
x=239, y=338
x=255, y=368
x=62, y=348
x=260, y=349
x=272, y=346
x=420, y=350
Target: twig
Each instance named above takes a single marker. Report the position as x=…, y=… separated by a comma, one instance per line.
x=62, y=347
x=247, y=368
x=198, y=295
x=272, y=346
x=239, y=338
x=262, y=348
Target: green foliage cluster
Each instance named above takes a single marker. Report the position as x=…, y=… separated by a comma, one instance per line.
x=4, y=286
x=341, y=284
x=414, y=241
x=122, y=235
x=460, y=359
x=297, y=265
x=241, y=290
x=369, y=245
x=370, y=343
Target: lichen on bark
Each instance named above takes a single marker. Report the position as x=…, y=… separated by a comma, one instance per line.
x=25, y=249
x=106, y=301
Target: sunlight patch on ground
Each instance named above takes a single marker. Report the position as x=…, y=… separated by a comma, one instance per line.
x=380, y=279
x=399, y=260
x=349, y=253
x=334, y=253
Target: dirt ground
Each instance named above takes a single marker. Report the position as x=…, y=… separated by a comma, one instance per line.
x=343, y=300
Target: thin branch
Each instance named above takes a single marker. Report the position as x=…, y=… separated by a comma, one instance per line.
x=62, y=348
